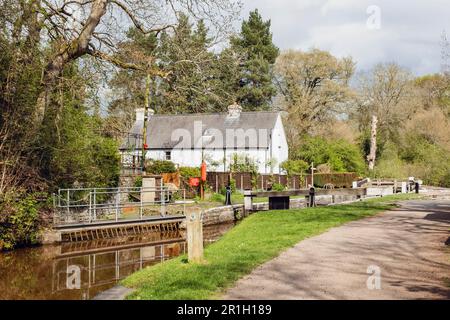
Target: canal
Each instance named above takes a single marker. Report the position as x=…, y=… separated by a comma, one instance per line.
x=81, y=270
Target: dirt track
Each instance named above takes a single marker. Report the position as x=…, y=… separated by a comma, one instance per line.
x=407, y=244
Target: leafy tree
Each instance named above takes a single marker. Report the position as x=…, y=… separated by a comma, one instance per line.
x=254, y=44
x=75, y=150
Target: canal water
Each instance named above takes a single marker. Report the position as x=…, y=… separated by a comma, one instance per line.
x=80, y=271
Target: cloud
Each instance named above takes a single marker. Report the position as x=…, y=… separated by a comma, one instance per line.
x=409, y=31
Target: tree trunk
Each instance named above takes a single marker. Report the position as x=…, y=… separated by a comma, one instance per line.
x=70, y=51
x=373, y=143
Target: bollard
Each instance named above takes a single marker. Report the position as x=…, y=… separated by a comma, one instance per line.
x=416, y=187
x=248, y=200
x=194, y=229
x=312, y=200
x=228, y=196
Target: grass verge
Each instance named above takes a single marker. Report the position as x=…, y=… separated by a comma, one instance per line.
x=257, y=239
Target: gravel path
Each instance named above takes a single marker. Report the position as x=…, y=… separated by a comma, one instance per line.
x=406, y=244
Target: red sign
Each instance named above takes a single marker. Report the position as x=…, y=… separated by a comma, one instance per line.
x=194, y=182
x=203, y=171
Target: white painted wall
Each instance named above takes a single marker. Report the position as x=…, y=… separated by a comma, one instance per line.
x=193, y=158
x=279, y=146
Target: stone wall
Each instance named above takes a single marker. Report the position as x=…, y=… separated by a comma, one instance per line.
x=223, y=214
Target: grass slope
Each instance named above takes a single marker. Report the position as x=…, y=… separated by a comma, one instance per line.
x=255, y=240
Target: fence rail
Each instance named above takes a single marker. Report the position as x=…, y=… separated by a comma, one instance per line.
x=90, y=205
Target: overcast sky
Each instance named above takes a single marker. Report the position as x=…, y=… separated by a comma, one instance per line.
x=408, y=32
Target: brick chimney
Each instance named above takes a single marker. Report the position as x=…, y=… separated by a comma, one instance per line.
x=234, y=110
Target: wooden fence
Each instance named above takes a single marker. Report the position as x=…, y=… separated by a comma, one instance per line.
x=245, y=181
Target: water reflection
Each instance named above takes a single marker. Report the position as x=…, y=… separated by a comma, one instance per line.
x=84, y=269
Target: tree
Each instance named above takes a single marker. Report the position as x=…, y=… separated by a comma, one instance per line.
x=129, y=87
x=313, y=88
x=386, y=93
x=198, y=79
x=41, y=40
x=92, y=31
x=254, y=44
x=193, y=82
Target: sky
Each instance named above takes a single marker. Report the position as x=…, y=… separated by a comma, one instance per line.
x=406, y=32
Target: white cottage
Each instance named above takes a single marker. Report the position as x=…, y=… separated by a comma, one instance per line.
x=187, y=139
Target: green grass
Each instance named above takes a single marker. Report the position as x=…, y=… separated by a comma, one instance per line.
x=257, y=239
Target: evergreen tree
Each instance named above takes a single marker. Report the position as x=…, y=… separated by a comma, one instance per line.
x=193, y=84
x=254, y=43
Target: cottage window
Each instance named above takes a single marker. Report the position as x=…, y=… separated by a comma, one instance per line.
x=168, y=155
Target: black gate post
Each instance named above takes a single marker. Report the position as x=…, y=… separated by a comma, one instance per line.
x=416, y=187
x=228, y=196
x=312, y=196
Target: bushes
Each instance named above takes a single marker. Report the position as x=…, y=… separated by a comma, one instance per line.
x=160, y=166
x=418, y=157
x=189, y=172
x=19, y=221
x=340, y=155
x=243, y=163
x=338, y=180
x=278, y=187
x=294, y=167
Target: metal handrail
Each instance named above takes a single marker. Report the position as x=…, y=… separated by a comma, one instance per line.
x=64, y=204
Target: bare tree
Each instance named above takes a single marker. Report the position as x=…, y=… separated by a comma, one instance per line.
x=387, y=92
x=313, y=87
x=386, y=99
x=45, y=37
x=94, y=27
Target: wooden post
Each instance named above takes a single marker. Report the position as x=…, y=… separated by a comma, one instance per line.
x=194, y=228
x=312, y=174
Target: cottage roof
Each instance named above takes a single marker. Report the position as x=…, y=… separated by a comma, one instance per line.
x=185, y=131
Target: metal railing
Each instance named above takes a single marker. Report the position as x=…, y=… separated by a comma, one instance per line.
x=90, y=205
